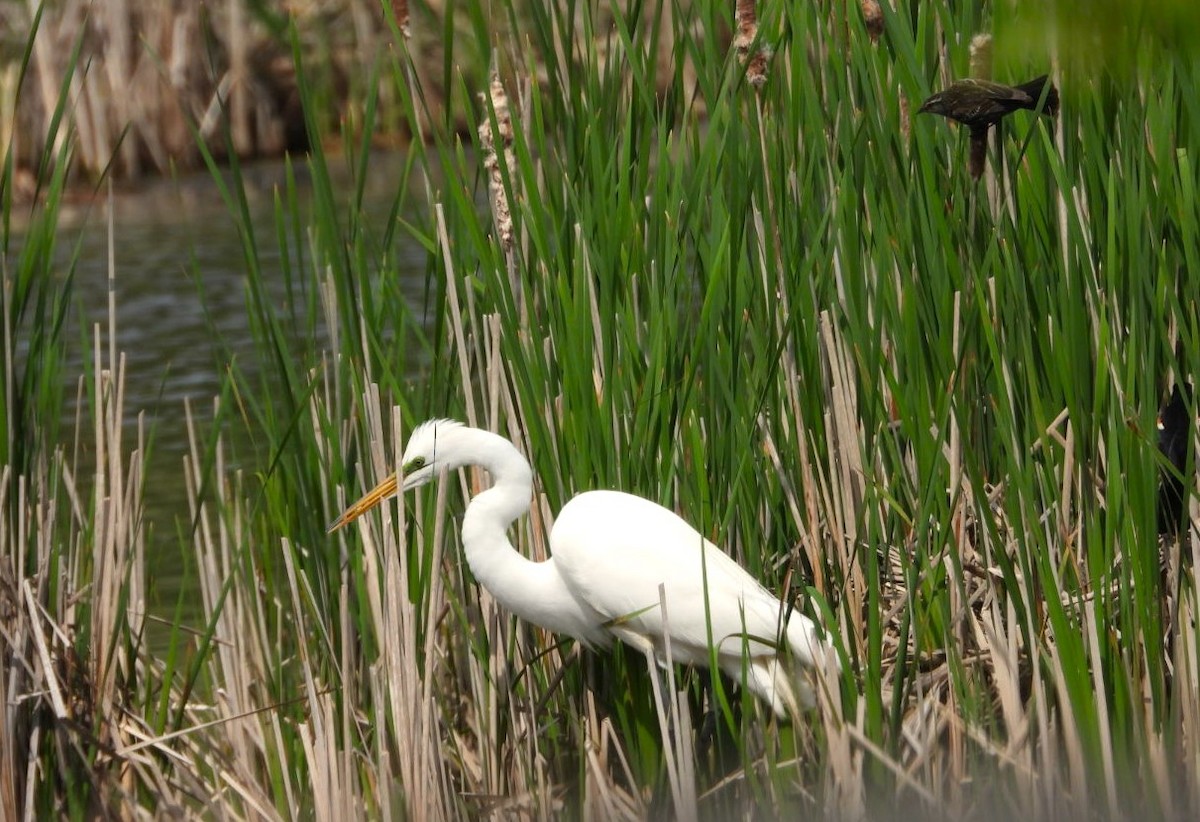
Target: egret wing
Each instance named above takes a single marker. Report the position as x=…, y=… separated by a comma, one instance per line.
x=614, y=550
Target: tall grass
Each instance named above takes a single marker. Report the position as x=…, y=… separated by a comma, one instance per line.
x=921, y=410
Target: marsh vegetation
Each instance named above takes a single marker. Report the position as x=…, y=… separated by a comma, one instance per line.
x=920, y=408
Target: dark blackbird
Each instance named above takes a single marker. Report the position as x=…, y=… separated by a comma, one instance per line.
x=976, y=103
x=980, y=104
x=1174, y=441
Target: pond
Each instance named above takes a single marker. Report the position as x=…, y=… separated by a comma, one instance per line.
x=180, y=294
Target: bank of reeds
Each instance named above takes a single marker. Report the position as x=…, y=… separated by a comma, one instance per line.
x=155, y=77
x=147, y=78
x=923, y=412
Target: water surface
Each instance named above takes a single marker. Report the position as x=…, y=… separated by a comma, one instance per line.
x=180, y=293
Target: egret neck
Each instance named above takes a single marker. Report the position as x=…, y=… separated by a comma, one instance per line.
x=532, y=590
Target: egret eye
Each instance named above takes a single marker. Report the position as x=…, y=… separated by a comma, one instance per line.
x=414, y=464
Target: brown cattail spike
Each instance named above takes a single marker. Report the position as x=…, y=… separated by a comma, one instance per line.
x=873, y=19
x=400, y=12
x=491, y=159
x=981, y=56
x=746, y=19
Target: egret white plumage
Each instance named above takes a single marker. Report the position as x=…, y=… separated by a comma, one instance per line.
x=610, y=552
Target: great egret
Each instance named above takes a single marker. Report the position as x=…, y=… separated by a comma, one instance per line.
x=610, y=553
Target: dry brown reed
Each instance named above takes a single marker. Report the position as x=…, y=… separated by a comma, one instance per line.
x=72, y=592
x=152, y=73
x=144, y=79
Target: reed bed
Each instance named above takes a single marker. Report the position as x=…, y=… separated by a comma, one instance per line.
x=921, y=410
x=149, y=79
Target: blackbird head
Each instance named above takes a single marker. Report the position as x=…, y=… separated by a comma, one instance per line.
x=936, y=104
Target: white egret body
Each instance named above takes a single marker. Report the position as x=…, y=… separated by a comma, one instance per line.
x=610, y=553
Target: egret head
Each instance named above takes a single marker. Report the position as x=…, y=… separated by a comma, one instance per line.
x=433, y=446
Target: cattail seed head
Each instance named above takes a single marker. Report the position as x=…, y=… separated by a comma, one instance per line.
x=488, y=141
x=746, y=19
x=873, y=18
